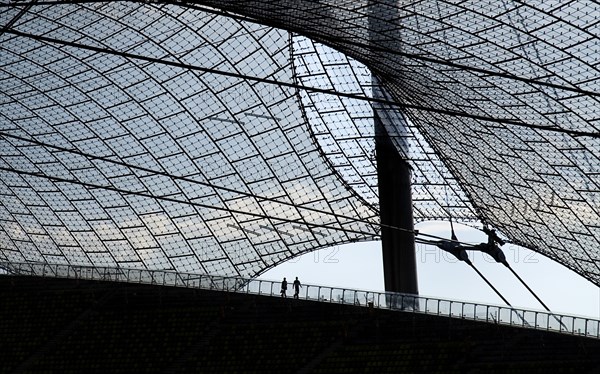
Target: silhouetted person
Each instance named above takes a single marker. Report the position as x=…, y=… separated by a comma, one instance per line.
x=297, y=286
x=283, y=288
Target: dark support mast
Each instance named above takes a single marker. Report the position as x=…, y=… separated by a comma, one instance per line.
x=393, y=172
x=395, y=204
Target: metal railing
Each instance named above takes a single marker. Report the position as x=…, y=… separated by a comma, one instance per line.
x=534, y=319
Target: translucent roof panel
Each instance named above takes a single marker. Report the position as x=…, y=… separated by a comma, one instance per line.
x=205, y=137
x=113, y=160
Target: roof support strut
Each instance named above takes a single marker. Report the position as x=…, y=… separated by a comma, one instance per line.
x=395, y=204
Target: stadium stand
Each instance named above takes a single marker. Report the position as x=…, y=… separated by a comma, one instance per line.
x=76, y=326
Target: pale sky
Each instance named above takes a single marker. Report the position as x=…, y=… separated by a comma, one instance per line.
x=359, y=266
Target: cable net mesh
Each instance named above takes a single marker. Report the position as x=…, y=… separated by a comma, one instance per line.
x=137, y=135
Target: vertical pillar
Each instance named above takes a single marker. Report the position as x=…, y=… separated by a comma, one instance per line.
x=395, y=204
x=393, y=171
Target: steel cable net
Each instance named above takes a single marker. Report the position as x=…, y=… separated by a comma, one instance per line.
x=493, y=103
x=113, y=161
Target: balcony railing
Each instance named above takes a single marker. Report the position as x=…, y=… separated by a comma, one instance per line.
x=539, y=320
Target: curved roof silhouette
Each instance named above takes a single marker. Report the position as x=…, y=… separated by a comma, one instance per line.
x=228, y=136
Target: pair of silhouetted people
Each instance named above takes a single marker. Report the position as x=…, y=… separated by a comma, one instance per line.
x=296, y=286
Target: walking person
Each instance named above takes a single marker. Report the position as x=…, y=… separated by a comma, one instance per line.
x=297, y=286
x=284, y=288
